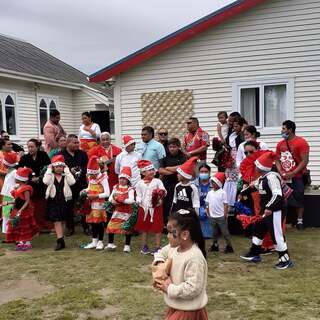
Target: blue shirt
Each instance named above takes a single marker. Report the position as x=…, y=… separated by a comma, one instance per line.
x=152, y=151
x=203, y=191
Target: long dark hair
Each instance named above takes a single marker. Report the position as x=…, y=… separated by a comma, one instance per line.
x=189, y=221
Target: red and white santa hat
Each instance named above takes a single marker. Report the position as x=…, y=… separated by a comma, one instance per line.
x=127, y=140
x=145, y=165
x=187, y=169
x=58, y=161
x=265, y=161
x=10, y=159
x=219, y=179
x=93, y=165
x=23, y=174
x=126, y=173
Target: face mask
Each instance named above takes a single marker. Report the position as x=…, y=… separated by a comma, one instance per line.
x=204, y=176
x=285, y=136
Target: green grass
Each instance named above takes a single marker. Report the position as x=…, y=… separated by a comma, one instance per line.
x=237, y=290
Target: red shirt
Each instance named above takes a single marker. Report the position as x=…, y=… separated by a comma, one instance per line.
x=289, y=161
x=193, y=141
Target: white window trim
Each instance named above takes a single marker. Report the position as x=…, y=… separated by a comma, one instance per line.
x=289, y=82
x=13, y=137
x=41, y=96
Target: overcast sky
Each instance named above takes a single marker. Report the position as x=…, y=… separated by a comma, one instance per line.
x=91, y=34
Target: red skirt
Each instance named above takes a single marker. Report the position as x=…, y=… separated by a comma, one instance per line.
x=173, y=314
x=146, y=225
x=26, y=228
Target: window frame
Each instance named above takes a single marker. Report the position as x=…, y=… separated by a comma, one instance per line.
x=261, y=83
x=4, y=93
x=47, y=98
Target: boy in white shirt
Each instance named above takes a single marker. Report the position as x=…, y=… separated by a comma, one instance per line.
x=217, y=211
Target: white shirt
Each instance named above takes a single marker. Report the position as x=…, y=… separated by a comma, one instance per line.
x=216, y=200
x=240, y=152
x=83, y=134
x=9, y=183
x=125, y=159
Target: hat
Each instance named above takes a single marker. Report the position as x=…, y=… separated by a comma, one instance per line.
x=58, y=161
x=93, y=165
x=10, y=159
x=219, y=179
x=127, y=140
x=23, y=174
x=265, y=161
x=187, y=169
x=125, y=173
x=145, y=165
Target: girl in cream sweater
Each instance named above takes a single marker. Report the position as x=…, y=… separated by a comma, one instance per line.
x=185, y=288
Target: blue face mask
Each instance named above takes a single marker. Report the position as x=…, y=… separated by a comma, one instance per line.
x=285, y=136
x=204, y=176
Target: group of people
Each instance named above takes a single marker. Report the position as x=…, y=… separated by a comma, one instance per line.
x=156, y=187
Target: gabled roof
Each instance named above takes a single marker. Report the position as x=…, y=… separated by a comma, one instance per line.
x=199, y=26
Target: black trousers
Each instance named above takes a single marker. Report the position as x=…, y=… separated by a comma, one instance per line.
x=111, y=238
x=97, y=230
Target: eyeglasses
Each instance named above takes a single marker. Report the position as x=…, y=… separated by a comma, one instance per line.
x=248, y=152
x=163, y=133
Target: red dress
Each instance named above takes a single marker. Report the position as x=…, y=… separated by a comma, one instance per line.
x=27, y=226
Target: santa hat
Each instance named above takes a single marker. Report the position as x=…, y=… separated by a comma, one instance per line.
x=265, y=161
x=219, y=179
x=145, y=165
x=23, y=174
x=127, y=140
x=10, y=159
x=187, y=169
x=125, y=173
x=58, y=161
x=93, y=165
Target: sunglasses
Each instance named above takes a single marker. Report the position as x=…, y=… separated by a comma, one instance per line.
x=163, y=133
x=248, y=152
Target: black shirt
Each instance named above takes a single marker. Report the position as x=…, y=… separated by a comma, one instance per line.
x=171, y=161
x=17, y=147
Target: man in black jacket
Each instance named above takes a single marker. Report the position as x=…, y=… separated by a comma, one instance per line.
x=272, y=205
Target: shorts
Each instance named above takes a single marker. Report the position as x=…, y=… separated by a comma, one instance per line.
x=296, y=199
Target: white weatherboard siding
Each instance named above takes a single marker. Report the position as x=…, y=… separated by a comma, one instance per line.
x=278, y=39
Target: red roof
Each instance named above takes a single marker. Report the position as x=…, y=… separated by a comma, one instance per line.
x=173, y=39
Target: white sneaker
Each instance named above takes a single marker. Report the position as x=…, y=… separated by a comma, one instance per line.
x=110, y=246
x=127, y=249
x=92, y=245
x=100, y=245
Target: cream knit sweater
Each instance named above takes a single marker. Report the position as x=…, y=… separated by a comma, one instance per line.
x=189, y=273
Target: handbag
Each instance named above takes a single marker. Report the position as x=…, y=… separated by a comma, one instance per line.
x=306, y=176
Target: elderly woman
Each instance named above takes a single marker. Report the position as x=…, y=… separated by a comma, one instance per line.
x=107, y=153
x=89, y=132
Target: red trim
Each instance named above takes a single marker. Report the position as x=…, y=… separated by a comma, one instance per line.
x=171, y=41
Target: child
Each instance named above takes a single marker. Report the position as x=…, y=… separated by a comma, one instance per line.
x=185, y=289
x=222, y=126
x=272, y=206
x=150, y=192
x=122, y=197
x=186, y=194
x=97, y=192
x=129, y=158
x=10, y=161
x=58, y=178
x=217, y=210
x=22, y=224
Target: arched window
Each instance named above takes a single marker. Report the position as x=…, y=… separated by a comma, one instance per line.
x=46, y=104
x=10, y=115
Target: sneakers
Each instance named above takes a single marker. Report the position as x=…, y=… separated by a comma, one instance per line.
x=251, y=257
x=145, y=250
x=19, y=247
x=91, y=245
x=127, y=249
x=214, y=248
x=228, y=249
x=100, y=245
x=281, y=265
x=300, y=226
x=110, y=246
x=156, y=249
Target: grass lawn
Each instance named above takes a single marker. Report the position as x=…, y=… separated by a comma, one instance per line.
x=78, y=284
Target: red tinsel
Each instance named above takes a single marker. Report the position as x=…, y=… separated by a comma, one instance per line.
x=157, y=196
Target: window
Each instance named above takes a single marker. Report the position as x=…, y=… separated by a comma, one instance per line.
x=112, y=131
x=46, y=104
x=8, y=119
x=110, y=118
x=264, y=104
